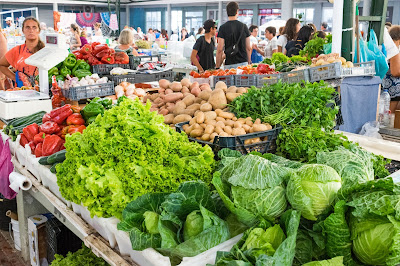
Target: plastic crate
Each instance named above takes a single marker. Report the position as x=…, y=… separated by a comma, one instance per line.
x=105, y=69
x=325, y=72
x=142, y=77
x=60, y=240
x=295, y=76
x=268, y=79
x=267, y=145
x=89, y=91
x=200, y=80
x=228, y=80
x=245, y=80
x=134, y=61
x=360, y=69
x=5, y=205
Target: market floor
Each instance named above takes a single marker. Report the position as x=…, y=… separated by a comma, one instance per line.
x=9, y=256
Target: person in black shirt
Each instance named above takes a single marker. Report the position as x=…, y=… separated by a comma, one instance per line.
x=203, y=50
x=304, y=35
x=234, y=40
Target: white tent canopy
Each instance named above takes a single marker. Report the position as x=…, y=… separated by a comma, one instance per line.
x=277, y=23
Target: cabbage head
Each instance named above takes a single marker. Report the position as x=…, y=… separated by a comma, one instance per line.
x=193, y=225
x=336, y=261
x=251, y=186
x=312, y=188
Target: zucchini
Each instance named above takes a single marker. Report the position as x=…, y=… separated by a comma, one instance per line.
x=43, y=160
x=57, y=157
x=53, y=168
x=23, y=120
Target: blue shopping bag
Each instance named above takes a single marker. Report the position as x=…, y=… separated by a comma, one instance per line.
x=381, y=65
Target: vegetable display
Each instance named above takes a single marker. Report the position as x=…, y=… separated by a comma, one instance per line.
x=129, y=90
x=71, y=66
x=82, y=257
x=128, y=136
x=329, y=59
x=16, y=125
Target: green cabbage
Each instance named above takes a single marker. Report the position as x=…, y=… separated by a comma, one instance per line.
x=312, y=189
x=193, y=225
x=336, y=261
x=243, y=179
x=151, y=222
x=126, y=153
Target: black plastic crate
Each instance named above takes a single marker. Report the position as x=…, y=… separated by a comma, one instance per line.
x=142, y=77
x=89, y=91
x=134, y=61
x=228, y=80
x=5, y=205
x=267, y=145
x=60, y=240
x=325, y=72
x=105, y=69
x=247, y=80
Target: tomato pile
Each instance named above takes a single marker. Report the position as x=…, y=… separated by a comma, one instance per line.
x=245, y=70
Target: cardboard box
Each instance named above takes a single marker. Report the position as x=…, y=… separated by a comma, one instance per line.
x=37, y=240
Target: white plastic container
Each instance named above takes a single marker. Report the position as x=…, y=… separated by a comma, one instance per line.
x=20, y=153
x=32, y=164
x=103, y=229
x=14, y=227
x=76, y=208
x=50, y=180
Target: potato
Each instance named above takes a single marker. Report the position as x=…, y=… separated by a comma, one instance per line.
x=226, y=115
x=158, y=100
x=218, y=130
x=179, y=107
x=194, y=85
x=189, y=99
x=229, y=123
x=200, y=117
x=220, y=124
x=260, y=127
x=230, y=96
x=205, y=107
x=169, y=119
x=209, y=129
x=185, y=94
x=212, y=136
x=210, y=115
x=238, y=131
x=224, y=134
x=185, y=89
x=234, y=118
x=231, y=89
x=175, y=86
x=246, y=128
x=221, y=85
x=255, y=140
x=237, y=124
x=258, y=121
x=203, y=126
x=168, y=91
x=218, y=99
x=205, y=87
x=269, y=127
x=163, y=83
x=220, y=119
x=196, y=133
x=251, y=130
x=198, y=100
x=205, y=137
x=170, y=107
x=185, y=127
x=153, y=96
x=228, y=130
x=163, y=111
x=161, y=90
x=187, y=112
x=241, y=90
x=188, y=130
x=247, y=141
x=197, y=126
x=242, y=120
x=205, y=95
x=186, y=82
x=192, y=121
x=195, y=91
x=211, y=122
x=195, y=106
x=218, y=111
x=249, y=123
x=181, y=118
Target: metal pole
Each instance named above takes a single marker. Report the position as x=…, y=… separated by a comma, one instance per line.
x=128, y=10
x=337, y=26
x=287, y=9
x=169, y=25
x=55, y=6
x=219, y=13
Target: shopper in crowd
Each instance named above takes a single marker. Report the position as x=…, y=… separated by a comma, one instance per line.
x=324, y=27
x=255, y=56
x=75, y=41
x=164, y=34
x=191, y=32
x=203, y=50
x=281, y=30
x=321, y=34
x=10, y=26
x=157, y=33
x=234, y=40
x=312, y=25
x=391, y=81
x=150, y=35
x=126, y=43
x=184, y=34
x=3, y=51
x=289, y=34
x=17, y=55
x=388, y=25
x=140, y=32
x=272, y=45
x=200, y=32
x=97, y=29
x=83, y=37
x=304, y=35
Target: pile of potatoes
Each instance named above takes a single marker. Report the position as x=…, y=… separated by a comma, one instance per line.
x=181, y=101
x=206, y=125
x=325, y=59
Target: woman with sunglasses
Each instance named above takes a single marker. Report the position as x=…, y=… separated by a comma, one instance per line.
x=203, y=50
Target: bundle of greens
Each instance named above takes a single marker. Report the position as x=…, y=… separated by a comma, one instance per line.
x=180, y=224
x=82, y=257
x=126, y=153
x=308, y=104
x=285, y=64
x=313, y=47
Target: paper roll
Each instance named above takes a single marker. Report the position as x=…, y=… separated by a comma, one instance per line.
x=18, y=181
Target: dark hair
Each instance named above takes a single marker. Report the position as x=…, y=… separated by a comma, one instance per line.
x=312, y=26
x=232, y=9
x=75, y=27
x=150, y=29
x=40, y=43
x=281, y=30
x=305, y=34
x=321, y=34
x=394, y=32
x=200, y=30
x=388, y=24
x=271, y=30
x=325, y=25
x=252, y=27
x=290, y=28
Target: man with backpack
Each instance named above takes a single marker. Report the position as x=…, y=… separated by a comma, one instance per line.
x=234, y=40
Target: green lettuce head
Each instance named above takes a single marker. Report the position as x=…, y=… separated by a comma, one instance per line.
x=151, y=222
x=193, y=225
x=312, y=188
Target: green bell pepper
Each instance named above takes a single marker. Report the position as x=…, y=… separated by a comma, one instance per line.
x=65, y=71
x=69, y=62
x=59, y=65
x=72, y=55
x=80, y=64
x=106, y=102
x=53, y=72
x=60, y=78
x=81, y=73
x=92, y=110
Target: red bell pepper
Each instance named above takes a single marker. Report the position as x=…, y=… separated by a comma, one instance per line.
x=51, y=144
x=30, y=131
x=46, y=118
x=107, y=60
x=78, y=54
x=76, y=128
x=86, y=49
x=75, y=119
x=23, y=141
x=93, y=61
x=121, y=58
x=94, y=44
x=103, y=53
x=32, y=145
x=39, y=138
x=59, y=115
x=98, y=48
x=39, y=150
x=49, y=127
x=76, y=108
